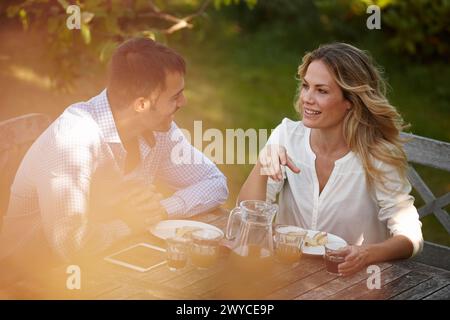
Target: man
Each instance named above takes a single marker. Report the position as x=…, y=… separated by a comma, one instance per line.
x=88, y=179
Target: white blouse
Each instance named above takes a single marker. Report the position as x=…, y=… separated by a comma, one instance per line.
x=345, y=206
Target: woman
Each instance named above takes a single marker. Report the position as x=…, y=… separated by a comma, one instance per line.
x=347, y=167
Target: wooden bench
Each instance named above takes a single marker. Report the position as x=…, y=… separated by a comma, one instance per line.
x=435, y=154
x=16, y=136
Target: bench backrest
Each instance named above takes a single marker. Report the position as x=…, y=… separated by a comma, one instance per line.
x=435, y=154
x=16, y=136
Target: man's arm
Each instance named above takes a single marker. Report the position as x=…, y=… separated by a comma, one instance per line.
x=69, y=159
x=199, y=183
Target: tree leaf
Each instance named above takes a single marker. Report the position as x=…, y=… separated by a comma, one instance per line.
x=12, y=11
x=23, y=18
x=63, y=4
x=107, y=50
x=86, y=33
x=86, y=17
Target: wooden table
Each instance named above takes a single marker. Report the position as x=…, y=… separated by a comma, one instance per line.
x=308, y=280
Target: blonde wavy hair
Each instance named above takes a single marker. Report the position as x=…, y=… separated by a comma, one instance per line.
x=372, y=126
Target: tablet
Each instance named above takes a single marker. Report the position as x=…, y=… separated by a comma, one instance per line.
x=140, y=257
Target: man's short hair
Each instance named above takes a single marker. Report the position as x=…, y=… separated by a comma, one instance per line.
x=138, y=67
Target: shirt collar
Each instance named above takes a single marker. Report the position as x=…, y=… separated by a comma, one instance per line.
x=309, y=150
x=104, y=117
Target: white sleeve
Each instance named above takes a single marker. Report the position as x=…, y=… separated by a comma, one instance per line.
x=277, y=137
x=273, y=188
x=397, y=208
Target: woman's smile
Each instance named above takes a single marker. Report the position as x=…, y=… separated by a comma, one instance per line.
x=311, y=113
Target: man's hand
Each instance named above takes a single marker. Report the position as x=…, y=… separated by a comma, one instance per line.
x=140, y=206
x=141, y=199
x=133, y=202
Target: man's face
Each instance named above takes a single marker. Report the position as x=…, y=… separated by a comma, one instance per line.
x=163, y=104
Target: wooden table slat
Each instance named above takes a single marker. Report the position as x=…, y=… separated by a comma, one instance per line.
x=120, y=293
x=306, y=268
x=418, y=266
x=423, y=289
x=442, y=294
x=303, y=285
x=395, y=287
x=280, y=277
x=193, y=276
x=355, y=291
x=340, y=283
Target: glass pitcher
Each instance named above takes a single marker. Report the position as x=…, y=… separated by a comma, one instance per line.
x=252, y=248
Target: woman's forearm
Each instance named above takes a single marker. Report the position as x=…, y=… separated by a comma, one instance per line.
x=255, y=186
x=359, y=257
x=397, y=247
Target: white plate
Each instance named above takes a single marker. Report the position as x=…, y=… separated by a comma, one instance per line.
x=167, y=228
x=320, y=250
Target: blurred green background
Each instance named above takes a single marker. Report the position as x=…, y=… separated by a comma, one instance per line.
x=242, y=59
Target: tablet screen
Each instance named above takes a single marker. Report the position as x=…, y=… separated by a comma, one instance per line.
x=142, y=256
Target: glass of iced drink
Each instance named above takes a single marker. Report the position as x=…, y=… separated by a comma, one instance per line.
x=205, y=248
x=333, y=256
x=177, y=252
x=288, y=243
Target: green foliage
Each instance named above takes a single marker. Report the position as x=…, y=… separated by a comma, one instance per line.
x=219, y=3
x=104, y=24
x=343, y=18
x=268, y=12
x=419, y=27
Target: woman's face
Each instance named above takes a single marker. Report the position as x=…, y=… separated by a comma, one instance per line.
x=324, y=105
